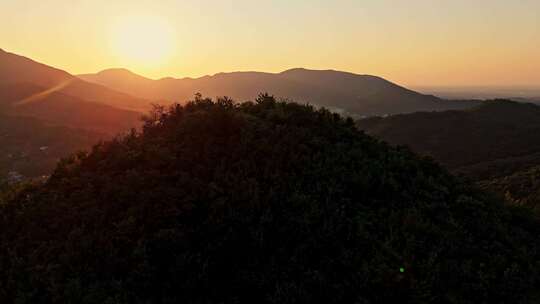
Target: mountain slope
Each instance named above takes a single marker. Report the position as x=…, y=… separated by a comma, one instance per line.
x=18, y=69
x=487, y=134
x=340, y=91
x=59, y=109
x=261, y=202
x=496, y=145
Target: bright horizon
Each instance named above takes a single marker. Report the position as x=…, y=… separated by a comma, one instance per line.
x=413, y=43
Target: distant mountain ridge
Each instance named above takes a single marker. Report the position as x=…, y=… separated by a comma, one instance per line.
x=353, y=94
x=340, y=91
x=18, y=69
x=47, y=114
x=29, y=88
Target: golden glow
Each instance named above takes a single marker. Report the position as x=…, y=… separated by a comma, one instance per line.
x=142, y=40
x=413, y=42
x=40, y=95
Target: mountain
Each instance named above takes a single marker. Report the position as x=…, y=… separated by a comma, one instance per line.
x=476, y=140
x=57, y=108
x=15, y=69
x=495, y=145
x=340, y=91
x=262, y=202
x=29, y=88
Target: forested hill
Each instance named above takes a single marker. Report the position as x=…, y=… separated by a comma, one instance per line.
x=494, y=131
x=264, y=202
x=495, y=144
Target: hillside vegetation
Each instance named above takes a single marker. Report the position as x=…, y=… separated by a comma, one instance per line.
x=496, y=129
x=520, y=188
x=495, y=144
x=263, y=202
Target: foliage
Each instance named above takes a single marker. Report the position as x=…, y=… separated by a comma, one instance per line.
x=475, y=142
x=495, y=144
x=260, y=202
x=521, y=188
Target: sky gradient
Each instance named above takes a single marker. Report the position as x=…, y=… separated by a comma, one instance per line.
x=413, y=42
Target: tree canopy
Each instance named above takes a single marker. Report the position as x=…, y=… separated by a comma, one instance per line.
x=260, y=202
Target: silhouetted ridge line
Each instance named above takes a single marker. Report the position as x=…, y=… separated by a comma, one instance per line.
x=349, y=93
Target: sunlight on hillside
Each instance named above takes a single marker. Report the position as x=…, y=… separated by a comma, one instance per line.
x=40, y=95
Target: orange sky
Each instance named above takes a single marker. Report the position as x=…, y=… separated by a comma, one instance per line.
x=413, y=42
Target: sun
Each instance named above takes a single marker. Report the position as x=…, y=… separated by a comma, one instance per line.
x=144, y=41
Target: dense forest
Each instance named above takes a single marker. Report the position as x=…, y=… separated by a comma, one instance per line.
x=520, y=188
x=495, y=144
x=260, y=202
x=496, y=129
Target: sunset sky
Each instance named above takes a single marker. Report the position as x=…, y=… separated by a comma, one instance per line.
x=413, y=42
